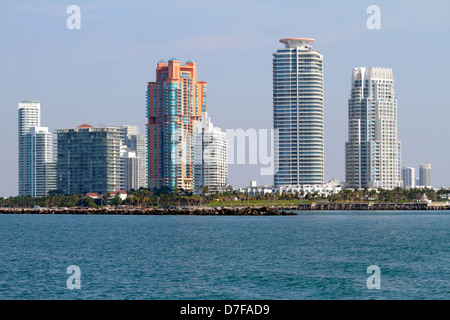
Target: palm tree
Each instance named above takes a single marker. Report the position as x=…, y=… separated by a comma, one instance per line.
x=105, y=198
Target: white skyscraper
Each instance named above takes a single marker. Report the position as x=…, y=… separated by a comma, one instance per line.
x=134, y=141
x=43, y=167
x=131, y=171
x=298, y=114
x=210, y=156
x=29, y=116
x=37, y=175
x=425, y=175
x=373, y=157
x=409, y=177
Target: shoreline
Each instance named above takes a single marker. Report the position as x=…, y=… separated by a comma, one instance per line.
x=205, y=211
x=373, y=206
x=231, y=211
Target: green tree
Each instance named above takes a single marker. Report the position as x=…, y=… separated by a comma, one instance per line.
x=87, y=202
x=116, y=201
x=105, y=199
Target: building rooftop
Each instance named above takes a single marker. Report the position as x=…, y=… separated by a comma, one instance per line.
x=92, y=194
x=29, y=101
x=296, y=42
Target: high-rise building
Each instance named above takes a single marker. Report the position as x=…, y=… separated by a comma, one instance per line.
x=36, y=165
x=29, y=116
x=43, y=178
x=89, y=160
x=127, y=131
x=373, y=157
x=211, y=157
x=131, y=168
x=425, y=175
x=298, y=118
x=175, y=102
x=132, y=140
x=409, y=177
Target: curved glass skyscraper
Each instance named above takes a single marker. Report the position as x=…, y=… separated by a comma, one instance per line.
x=298, y=114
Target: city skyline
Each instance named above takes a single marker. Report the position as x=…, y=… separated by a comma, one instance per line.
x=78, y=82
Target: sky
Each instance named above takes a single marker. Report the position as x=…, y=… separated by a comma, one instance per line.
x=98, y=74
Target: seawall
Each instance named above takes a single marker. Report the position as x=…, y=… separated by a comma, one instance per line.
x=225, y=211
x=372, y=206
x=230, y=211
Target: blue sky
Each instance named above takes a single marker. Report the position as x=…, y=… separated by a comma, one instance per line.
x=98, y=74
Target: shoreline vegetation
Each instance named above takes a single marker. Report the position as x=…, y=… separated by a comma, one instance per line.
x=230, y=202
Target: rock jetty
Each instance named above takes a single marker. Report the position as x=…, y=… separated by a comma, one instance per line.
x=205, y=211
x=229, y=211
x=373, y=206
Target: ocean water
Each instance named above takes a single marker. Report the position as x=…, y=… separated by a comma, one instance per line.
x=314, y=255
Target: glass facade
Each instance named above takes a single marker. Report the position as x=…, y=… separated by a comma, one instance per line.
x=298, y=114
x=174, y=105
x=89, y=160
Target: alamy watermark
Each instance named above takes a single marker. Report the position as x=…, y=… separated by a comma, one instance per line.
x=374, y=21
x=258, y=150
x=374, y=280
x=74, y=280
x=73, y=22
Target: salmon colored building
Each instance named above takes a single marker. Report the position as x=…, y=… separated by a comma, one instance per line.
x=175, y=102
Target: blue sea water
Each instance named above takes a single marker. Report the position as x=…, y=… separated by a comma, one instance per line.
x=313, y=255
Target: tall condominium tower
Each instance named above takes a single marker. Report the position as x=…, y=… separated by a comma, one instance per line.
x=133, y=141
x=425, y=175
x=43, y=178
x=373, y=156
x=174, y=104
x=29, y=116
x=131, y=176
x=211, y=157
x=89, y=160
x=36, y=165
x=298, y=114
x=409, y=177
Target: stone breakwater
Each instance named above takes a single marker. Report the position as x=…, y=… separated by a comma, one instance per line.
x=206, y=211
x=373, y=206
x=230, y=211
